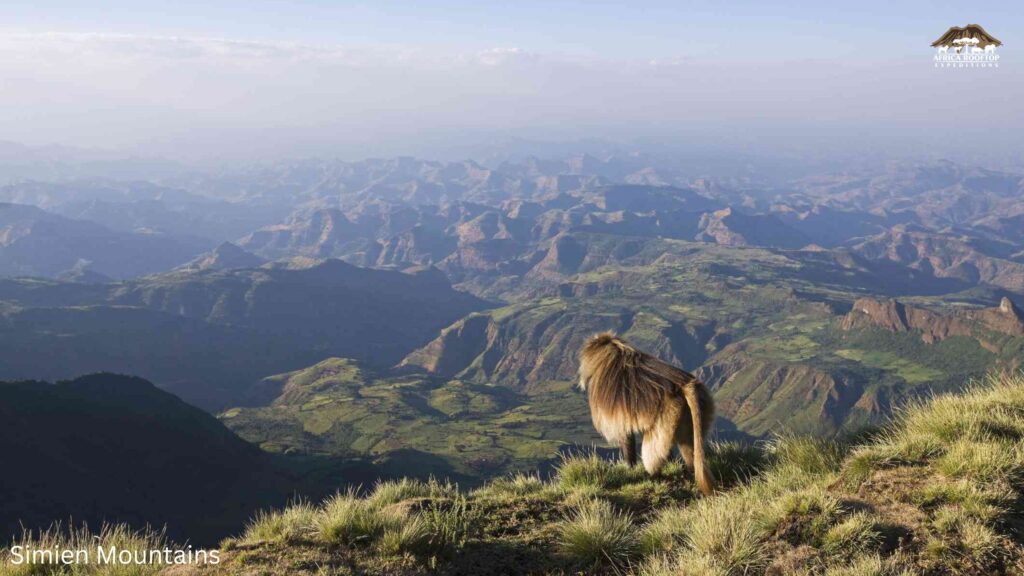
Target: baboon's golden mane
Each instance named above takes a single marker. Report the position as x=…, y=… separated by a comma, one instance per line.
x=624, y=382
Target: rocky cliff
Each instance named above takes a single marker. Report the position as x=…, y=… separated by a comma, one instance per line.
x=934, y=326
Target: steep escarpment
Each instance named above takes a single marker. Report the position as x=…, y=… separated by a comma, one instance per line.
x=525, y=346
x=761, y=395
x=516, y=346
x=895, y=316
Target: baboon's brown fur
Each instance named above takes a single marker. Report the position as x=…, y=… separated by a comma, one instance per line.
x=633, y=392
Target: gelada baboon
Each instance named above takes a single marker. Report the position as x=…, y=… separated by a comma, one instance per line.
x=633, y=392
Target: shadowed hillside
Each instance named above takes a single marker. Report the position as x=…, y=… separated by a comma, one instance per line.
x=116, y=448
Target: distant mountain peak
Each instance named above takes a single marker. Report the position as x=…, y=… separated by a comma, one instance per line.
x=227, y=256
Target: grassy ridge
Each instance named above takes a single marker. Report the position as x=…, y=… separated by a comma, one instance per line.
x=937, y=492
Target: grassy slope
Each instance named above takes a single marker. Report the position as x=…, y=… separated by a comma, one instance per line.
x=938, y=492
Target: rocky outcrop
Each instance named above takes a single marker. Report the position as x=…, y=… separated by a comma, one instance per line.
x=934, y=326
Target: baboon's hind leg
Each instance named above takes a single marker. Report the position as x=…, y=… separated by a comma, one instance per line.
x=658, y=444
x=628, y=448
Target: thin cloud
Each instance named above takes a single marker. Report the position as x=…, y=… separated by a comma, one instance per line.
x=121, y=47
x=212, y=94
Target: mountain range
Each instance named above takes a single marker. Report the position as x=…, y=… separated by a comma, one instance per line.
x=422, y=318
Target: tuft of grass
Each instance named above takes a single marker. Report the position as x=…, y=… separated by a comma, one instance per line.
x=721, y=534
x=858, y=532
x=394, y=491
x=412, y=536
x=978, y=540
x=734, y=462
x=580, y=495
x=986, y=503
x=667, y=531
x=809, y=455
x=514, y=486
x=961, y=533
x=683, y=564
x=593, y=472
x=293, y=524
x=450, y=524
x=727, y=536
x=596, y=534
x=863, y=461
x=808, y=512
x=981, y=461
x=914, y=447
x=346, y=519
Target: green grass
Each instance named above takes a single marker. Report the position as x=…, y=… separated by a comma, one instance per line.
x=394, y=491
x=809, y=455
x=294, y=524
x=595, y=534
x=431, y=520
x=347, y=519
x=591, y=471
x=908, y=370
x=858, y=532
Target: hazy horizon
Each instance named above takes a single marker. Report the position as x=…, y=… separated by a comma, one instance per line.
x=268, y=80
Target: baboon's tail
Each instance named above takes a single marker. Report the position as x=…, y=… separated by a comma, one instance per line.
x=703, y=477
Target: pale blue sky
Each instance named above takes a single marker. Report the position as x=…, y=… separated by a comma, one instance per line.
x=312, y=75
x=609, y=29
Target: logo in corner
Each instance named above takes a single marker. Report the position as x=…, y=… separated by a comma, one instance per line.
x=966, y=47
